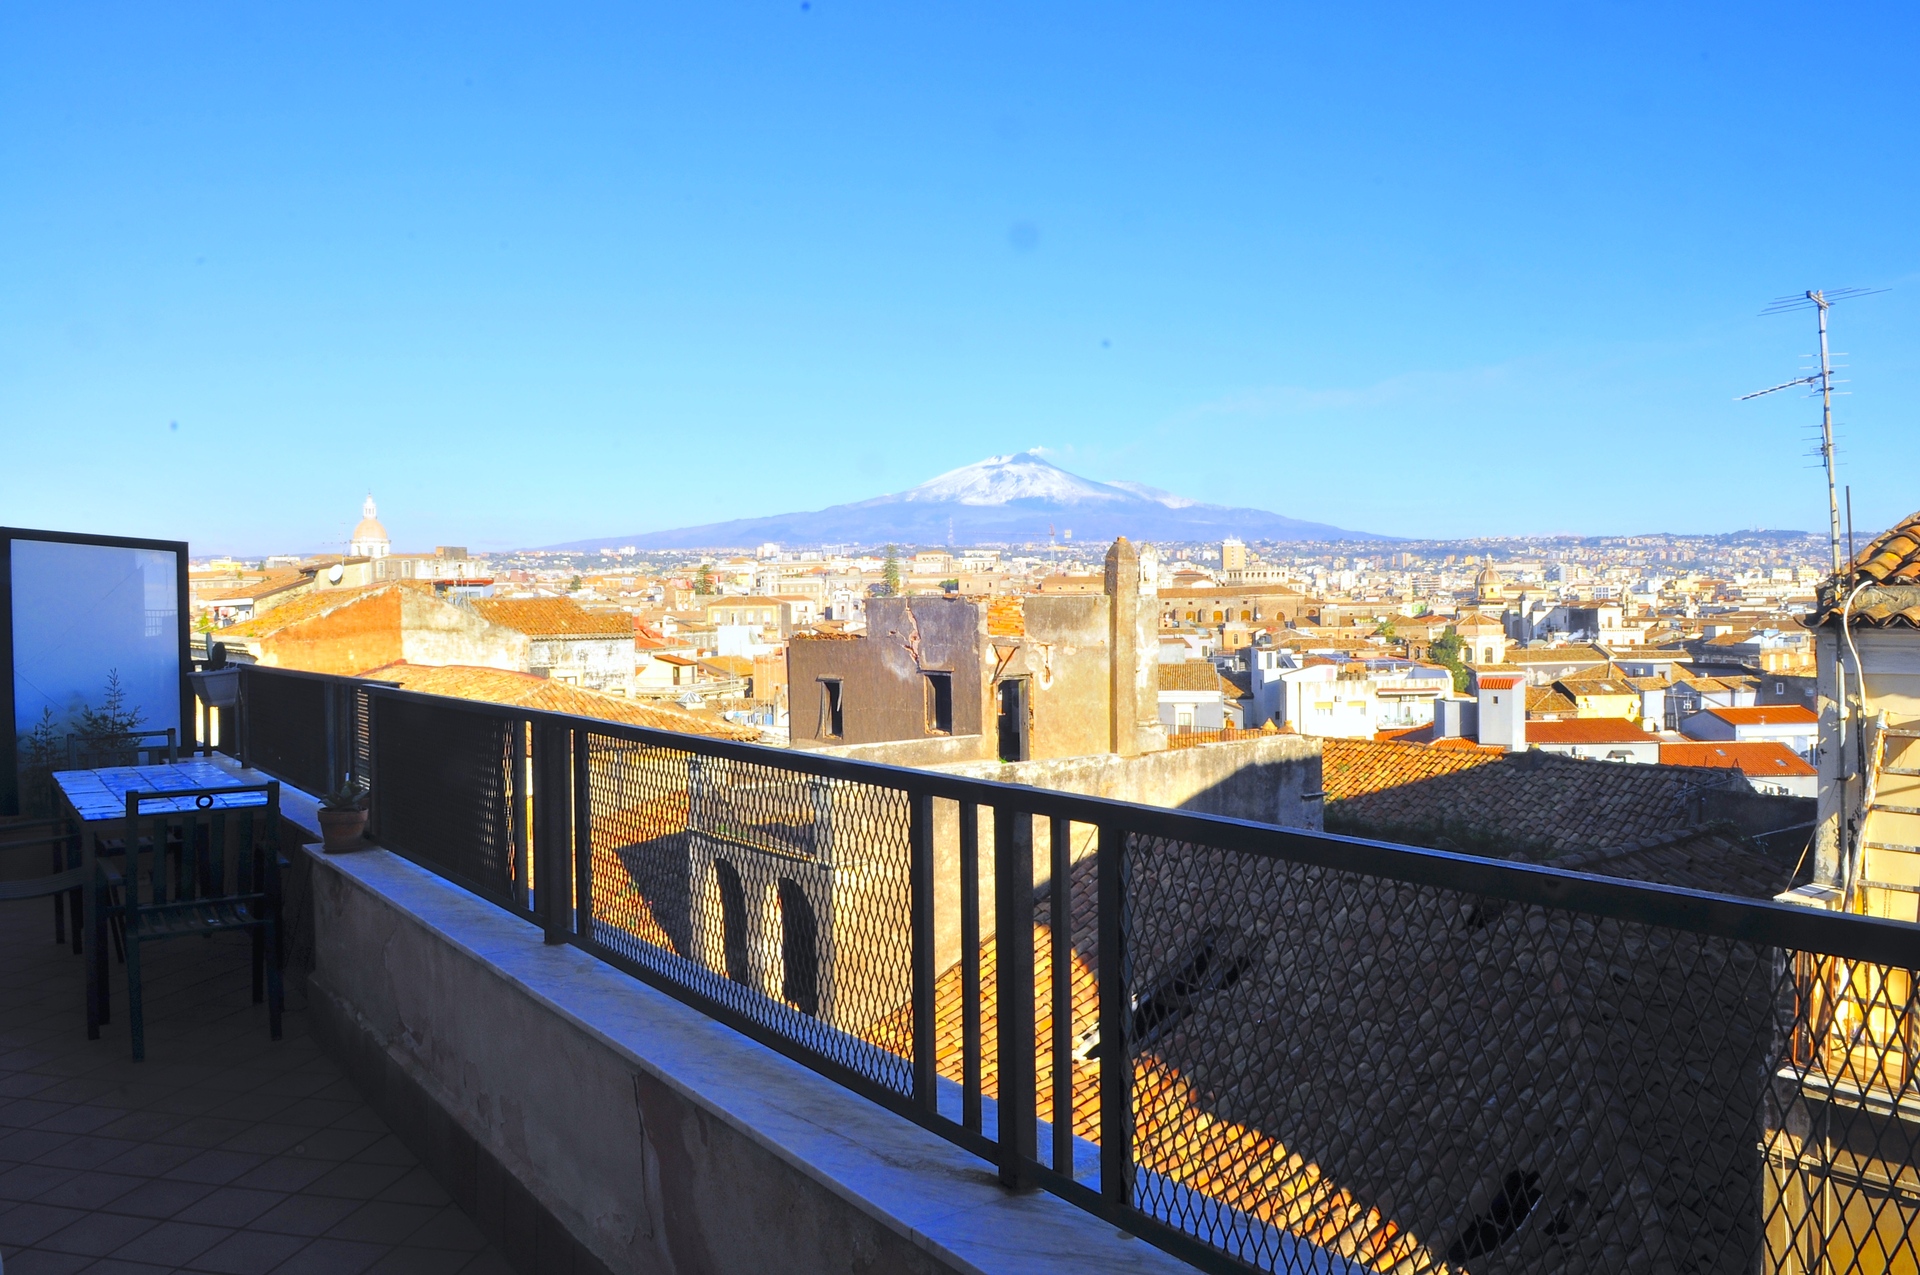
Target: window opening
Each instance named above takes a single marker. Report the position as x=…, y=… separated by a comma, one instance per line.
x=799, y=950
x=833, y=723
x=939, y=703
x=733, y=921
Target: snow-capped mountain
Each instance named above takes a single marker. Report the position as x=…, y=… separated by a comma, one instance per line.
x=1019, y=499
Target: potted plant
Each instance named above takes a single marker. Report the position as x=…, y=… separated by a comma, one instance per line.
x=343, y=818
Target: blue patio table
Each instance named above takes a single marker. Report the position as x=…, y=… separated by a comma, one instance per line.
x=97, y=800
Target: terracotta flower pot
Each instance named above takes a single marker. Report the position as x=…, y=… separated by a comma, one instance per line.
x=343, y=830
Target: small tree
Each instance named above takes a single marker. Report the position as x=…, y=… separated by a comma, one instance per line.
x=890, y=572
x=1446, y=653
x=703, y=580
x=111, y=726
x=573, y=585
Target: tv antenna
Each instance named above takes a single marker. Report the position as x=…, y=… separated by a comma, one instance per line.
x=1821, y=301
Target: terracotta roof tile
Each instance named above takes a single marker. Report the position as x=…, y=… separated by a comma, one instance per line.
x=1763, y=758
x=526, y=690
x=552, y=617
x=1588, y=730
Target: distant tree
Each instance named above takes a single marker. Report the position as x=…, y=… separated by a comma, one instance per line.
x=890, y=572
x=703, y=580
x=574, y=583
x=1446, y=653
x=1385, y=629
x=949, y=586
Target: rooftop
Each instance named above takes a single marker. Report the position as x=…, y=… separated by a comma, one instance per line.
x=224, y=1151
x=1767, y=715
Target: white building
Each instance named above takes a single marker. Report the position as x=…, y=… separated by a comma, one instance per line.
x=1790, y=724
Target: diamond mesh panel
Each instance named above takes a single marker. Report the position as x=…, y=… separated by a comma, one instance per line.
x=444, y=794
x=286, y=727
x=1417, y=1078
x=783, y=897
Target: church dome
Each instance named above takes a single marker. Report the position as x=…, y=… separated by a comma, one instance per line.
x=1487, y=583
x=369, y=537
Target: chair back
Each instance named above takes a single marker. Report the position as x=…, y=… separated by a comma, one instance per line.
x=130, y=748
x=202, y=845
x=28, y=848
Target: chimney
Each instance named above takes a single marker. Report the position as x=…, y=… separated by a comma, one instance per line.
x=1503, y=710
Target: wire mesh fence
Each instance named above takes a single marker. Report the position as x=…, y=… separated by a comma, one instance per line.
x=1260, y=1048
x=284, y=728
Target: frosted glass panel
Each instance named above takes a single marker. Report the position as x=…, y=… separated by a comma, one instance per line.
x=84, y=615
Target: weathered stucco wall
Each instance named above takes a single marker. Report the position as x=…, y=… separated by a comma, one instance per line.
x=536, y=1078
x=883, y=687
x=435, y=632
x=1266, y=780
x=351, y=639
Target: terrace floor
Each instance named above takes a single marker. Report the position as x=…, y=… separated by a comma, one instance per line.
x=223, y=1152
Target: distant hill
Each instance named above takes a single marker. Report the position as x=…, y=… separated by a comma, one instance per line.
x=1000, y=500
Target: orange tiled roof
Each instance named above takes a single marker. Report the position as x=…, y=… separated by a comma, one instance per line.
x=1354, y=768
x=526, y=690
x=1767, y=758
x=552, y=617
x=311, y=606
x=1895, y=557
x=1543, y=804
x=1588, y=730
x=1767, y=715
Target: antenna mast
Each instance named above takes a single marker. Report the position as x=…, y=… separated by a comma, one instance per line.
x=1822, y=301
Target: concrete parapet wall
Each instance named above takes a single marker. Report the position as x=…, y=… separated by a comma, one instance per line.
x=597, y=1124
x=1266, y=780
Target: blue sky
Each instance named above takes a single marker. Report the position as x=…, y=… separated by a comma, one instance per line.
x=542, y=272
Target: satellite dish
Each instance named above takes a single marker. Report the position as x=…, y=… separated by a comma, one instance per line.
x=336, y=573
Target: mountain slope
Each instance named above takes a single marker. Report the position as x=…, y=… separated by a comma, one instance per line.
x=1003, y=499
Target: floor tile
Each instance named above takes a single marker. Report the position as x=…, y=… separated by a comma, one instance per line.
x=247, y=1252
x=223, y=1153
x=159, y=1198
x=332, y=1257
x=97, y=1234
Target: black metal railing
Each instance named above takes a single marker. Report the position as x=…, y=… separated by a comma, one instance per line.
x=309, y=729
x=1259, y=1048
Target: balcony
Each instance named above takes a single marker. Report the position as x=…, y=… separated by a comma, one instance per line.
x=643, y=1001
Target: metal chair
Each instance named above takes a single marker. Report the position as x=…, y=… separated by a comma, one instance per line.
x=67, y=875
x=134, y=748
x=192, y=868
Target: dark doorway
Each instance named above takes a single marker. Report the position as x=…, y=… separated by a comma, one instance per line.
x=833, y=722
x=799, y=950
x=1013, y=719
x=939, y=703
x=733, y=921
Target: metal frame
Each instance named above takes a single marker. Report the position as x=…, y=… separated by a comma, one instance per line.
x=563, y=908
x=9, y=746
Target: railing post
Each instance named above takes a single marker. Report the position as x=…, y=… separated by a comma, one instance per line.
x=330, y=719
x=926, y=1075
x=582, y=835
x=553, y=827
x=1060, y=928
x=1013, y=955
x=1116, y=1014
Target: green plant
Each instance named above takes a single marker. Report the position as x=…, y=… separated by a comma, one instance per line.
x=890, y=572
x=351, y=795
x=703, y=580
x=1445, y=652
